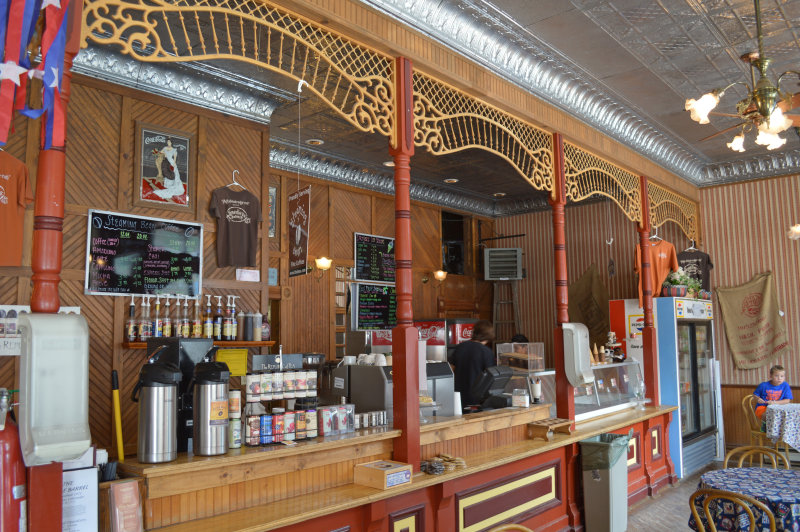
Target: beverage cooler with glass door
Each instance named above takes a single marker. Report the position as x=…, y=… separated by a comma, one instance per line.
x=689, y=379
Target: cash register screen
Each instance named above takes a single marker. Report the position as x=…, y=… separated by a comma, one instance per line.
x=492, y=382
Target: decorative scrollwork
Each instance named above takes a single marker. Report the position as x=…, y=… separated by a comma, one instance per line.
x=587, y=174
x=666, y=205
x=446, y=121
x=353, y=80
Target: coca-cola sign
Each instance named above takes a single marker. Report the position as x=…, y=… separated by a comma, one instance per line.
x=382, y=337
x=460, y=332
x=432, y=331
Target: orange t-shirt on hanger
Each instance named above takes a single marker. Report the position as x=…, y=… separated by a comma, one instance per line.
x=663, y=260
x=15, y=195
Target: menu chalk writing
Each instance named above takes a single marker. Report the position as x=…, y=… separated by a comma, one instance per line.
x=374, y=258
x=377, y=307
x=127, y=254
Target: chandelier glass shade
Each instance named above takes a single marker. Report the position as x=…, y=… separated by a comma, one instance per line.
x=763, y=108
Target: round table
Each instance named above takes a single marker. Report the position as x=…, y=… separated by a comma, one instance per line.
x=783, y=424
x=779, y=489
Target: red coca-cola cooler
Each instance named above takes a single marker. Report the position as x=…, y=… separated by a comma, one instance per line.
x=433, y=331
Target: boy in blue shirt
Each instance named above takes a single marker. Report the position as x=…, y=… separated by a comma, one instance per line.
x=774, y=391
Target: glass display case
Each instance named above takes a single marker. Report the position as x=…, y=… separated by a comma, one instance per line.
x=612, y=390
x=524, y=358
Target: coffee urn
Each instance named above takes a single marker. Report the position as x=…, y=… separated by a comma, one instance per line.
x=157, y=395
x=210, y=406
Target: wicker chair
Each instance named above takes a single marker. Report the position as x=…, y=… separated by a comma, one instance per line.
x=751, y=451
x=745, y=501
x=757, y=436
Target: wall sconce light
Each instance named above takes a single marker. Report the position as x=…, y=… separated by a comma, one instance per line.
x=794, y=232
x=440, y=275
x=322, y=264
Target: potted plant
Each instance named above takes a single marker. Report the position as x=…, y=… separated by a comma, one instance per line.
x=679, y=284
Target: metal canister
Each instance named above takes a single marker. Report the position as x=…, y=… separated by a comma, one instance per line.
x=289, y=426
x=311, y=423
x=365, y=420
x=373, y=419
x=357, y=422
x=234, y=433
x=277, y=426
x=265, y=429
x=382, y=418
x=300, y=424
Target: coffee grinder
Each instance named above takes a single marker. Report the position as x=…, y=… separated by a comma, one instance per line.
x=186, y=353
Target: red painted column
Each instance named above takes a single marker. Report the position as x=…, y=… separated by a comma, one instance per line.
x=565, y=400
x=650, y=350
x=405, y=336
x=45, y=482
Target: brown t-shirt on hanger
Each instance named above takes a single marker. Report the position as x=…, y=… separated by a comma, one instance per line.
x=15, y=195
x=238, y=213
x=663, y=259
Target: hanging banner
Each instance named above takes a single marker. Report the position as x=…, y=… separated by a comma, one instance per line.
x=753, y=326
x=299, y=215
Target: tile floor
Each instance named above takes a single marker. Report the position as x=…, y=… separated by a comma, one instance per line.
x=668, y=510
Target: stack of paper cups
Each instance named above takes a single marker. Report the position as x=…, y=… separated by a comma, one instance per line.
x=422, y=351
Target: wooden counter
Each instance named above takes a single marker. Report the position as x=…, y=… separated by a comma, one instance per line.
x=280, y=487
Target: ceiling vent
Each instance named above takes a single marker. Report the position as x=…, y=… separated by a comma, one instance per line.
x=502, y=264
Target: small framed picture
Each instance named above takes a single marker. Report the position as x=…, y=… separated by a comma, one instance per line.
x=164, y=168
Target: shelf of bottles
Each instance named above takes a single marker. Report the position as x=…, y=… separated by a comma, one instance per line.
x=220, y=343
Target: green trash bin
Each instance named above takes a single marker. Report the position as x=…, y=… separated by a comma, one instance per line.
x=605, y=482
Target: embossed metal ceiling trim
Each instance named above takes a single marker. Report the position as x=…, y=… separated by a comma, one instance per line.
x=188, y=82
x=479, y=31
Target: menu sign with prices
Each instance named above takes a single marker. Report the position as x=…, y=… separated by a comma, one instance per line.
x=128, y=254
x=376, y=308
x=374, y=258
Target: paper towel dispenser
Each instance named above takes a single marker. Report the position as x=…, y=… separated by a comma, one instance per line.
x=577, y=362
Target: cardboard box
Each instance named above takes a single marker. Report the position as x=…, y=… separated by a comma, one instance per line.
x=382, y=474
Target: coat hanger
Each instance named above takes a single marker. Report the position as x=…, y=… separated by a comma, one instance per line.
x=234, y=182
x=655, y=236
x=691, y=248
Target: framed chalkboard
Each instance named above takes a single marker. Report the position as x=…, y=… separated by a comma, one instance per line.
x=128, y=254
x=376, y=307
x=374, y=258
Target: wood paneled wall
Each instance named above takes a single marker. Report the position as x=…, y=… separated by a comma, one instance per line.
x=588, y=227
x=99, y=175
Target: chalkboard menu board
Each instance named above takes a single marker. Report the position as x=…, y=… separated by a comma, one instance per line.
x=374, y=258
x=377, y=307
x=127, y=254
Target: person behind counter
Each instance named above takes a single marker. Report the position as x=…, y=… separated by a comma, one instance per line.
x=470, y=359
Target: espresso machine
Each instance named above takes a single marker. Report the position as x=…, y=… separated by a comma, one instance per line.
x=185, y=353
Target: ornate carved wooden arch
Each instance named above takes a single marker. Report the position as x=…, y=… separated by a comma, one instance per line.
x=353, y=80
x=446, y=121
x=587, y=174
x=665, y=206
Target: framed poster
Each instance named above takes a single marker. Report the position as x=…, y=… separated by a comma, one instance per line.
x=299, y=227
x=163, y=168
x=273, y=194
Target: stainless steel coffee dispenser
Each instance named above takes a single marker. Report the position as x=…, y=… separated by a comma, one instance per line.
x=211, y=408
x=157, y=395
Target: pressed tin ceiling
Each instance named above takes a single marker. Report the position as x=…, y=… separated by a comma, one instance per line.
x=623, y=67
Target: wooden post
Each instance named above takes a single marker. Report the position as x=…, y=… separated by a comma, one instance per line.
x=405, y=336
x=565, y=400
x=45, y=482
x=650, y=349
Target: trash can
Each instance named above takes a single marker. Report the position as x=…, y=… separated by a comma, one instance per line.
x=605, y=482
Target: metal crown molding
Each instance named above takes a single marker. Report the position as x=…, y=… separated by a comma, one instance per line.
x=283, y=156
x=194, y=83
x=479, y=31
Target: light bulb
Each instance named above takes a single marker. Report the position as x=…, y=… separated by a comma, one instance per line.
x=772, y=141
x=776, y=123
x=699, y=109
x=737, y=144
x=323, y=263
x=794, y=232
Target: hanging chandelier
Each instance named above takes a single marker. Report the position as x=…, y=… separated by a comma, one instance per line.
x=764, y=107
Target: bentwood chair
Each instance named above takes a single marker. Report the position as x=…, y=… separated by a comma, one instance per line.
x=745, y=501
x=510, y=527
x=757, y=436
x=752, y=451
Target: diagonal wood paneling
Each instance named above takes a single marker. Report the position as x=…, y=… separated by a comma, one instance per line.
x=352, y=214
x=383, y=216
x=426, y=231
x=74, y=244
x=91, y=167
